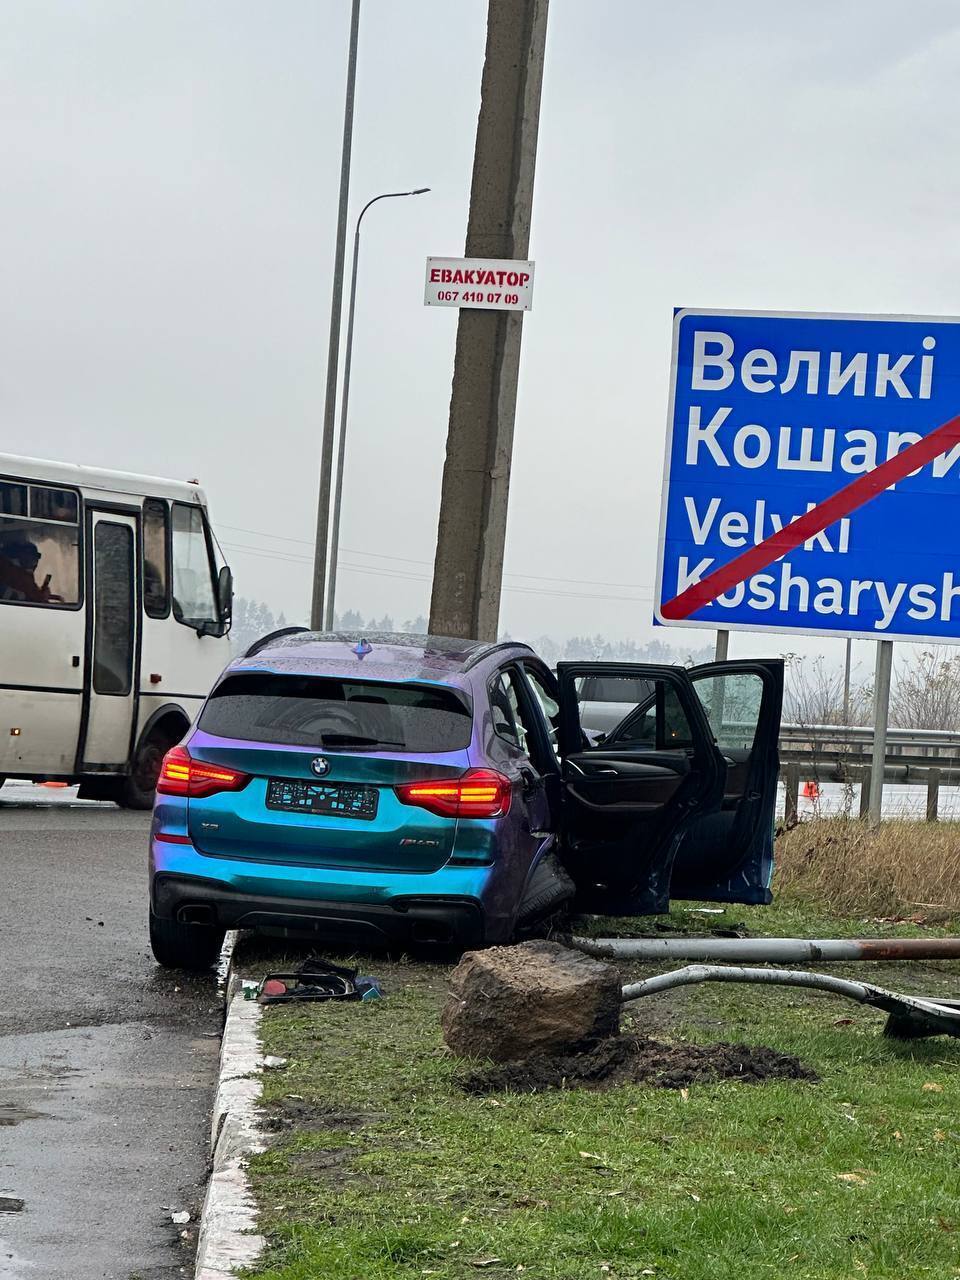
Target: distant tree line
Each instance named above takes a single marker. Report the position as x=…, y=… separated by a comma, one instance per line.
x=925, y=692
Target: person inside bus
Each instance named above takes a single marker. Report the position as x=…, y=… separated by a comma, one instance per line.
x=19, y=562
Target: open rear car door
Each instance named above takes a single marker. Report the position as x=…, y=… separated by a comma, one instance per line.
x=652, y=806
x=728, y=856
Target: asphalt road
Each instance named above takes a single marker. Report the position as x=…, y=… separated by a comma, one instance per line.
x=107, y=1063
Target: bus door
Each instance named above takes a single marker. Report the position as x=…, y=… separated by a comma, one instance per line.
x=112, y=642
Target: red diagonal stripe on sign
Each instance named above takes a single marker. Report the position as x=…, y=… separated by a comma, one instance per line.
x=826, y=513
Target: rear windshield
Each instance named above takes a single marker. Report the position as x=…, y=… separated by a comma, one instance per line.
x=341, y=715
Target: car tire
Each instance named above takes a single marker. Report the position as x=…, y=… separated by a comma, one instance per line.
x=184, y=946
x=138, y=788
x=549, y=889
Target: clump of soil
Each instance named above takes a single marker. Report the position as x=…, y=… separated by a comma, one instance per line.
x=632, y=1060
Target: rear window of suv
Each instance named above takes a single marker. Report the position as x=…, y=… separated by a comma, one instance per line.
x=338, y=715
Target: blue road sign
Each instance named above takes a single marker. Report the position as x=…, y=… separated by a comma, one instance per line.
x=812, y=475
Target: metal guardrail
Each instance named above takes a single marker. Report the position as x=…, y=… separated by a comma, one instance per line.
x=842, y=753
x=854, y=743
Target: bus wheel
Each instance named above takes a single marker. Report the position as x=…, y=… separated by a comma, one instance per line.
x=184, y=946
x=138, y=787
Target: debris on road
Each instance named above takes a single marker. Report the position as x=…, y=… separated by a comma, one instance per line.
x=180, y=1217
x=316, y=979
x=769, y=950
x=909, y=1017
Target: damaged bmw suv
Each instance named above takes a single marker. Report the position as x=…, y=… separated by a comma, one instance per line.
x=413, y=790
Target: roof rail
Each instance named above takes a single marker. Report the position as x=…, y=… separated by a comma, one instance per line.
x=485, y=651
x=269, y=638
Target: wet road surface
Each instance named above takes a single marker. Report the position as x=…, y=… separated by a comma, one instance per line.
x=107, y=1063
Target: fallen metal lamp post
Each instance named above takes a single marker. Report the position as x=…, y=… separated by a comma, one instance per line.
x=770, y=950
x=910, y=1017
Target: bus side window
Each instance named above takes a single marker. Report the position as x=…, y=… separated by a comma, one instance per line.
x=156, y=560
x=39, y=545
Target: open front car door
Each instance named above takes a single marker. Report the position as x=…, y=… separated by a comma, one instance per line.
x=639, y=766
x=653, y=806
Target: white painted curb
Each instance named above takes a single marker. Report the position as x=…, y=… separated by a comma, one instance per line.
x=228, y=1221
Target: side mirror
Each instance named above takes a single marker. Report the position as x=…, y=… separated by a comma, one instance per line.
x=224, y=606
x=225, y=596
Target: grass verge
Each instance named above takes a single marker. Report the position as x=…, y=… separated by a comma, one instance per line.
x=383, y=1169
x=902, y=868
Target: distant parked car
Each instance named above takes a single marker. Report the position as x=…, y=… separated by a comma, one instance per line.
x=413, y=790
x=605, y=700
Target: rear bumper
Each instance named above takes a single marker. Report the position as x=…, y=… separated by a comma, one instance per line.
x=409, y=919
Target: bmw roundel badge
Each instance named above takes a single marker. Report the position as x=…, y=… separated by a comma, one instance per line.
x=320, y=766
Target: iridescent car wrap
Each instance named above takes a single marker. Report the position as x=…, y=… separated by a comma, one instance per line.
x=404, y=875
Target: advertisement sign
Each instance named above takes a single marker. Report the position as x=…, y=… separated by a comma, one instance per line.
x=490, y=284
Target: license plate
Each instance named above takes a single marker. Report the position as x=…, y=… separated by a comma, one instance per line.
x=322, y=797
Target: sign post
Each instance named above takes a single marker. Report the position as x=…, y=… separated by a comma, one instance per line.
x=847, y=660
x=881, y=713
x=812, y=481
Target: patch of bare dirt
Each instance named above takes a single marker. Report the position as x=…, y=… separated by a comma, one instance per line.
x=290, y=1113
x=327, y=1165
x=632, y=1060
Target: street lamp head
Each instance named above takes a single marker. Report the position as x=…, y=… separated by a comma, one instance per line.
x=420, y=191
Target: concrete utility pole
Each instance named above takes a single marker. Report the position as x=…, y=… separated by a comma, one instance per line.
x=468, y=569
x=333, y=348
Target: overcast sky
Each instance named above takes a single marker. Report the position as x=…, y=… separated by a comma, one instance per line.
x=169, y=175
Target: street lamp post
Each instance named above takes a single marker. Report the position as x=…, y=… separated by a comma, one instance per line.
x=347, y=361
x=318, y=593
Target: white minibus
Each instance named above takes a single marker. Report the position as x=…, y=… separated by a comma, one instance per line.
x=113, y=624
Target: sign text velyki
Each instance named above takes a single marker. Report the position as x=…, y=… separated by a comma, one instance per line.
x=490, y=284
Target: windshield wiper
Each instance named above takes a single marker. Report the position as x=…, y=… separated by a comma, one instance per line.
x=332, y=740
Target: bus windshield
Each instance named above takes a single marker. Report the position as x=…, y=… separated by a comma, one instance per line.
x=194, y=600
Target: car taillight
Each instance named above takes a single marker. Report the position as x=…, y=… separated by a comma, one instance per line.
x=181, y=775
x=478, y=793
